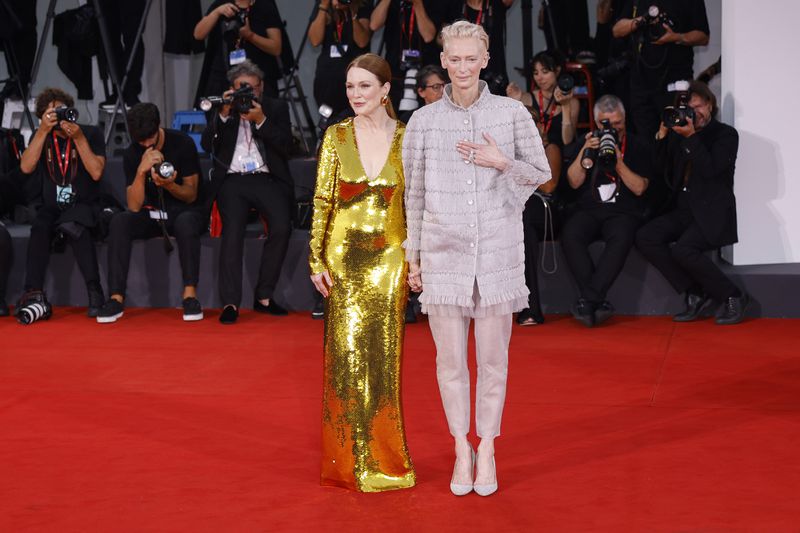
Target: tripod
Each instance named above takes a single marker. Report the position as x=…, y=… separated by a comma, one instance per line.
x=118, y=86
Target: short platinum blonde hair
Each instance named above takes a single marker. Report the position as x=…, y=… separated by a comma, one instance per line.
x=463, y=29
x=608, y=104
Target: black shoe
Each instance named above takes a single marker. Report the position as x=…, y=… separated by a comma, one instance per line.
x=229, y=315
x=529, y=317
x=96, y=300
x=192, y=310
x=109, y=103
x=111, y=311
x=411, y=313
x=694, y=306
x=733, y=310
x=4, y=309
x=318, y=313
x=583, y=311
x=270, y=309
x=603, y=312
x=131, y=101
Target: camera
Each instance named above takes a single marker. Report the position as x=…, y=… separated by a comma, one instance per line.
x=235, y=23
x=614, y=69
x=409, y=101
x=497, y=83
x=35, y=307
x=565, y=82
x=679, y=114
x=241, y=100
x=606, y=153
x=164, y=170
x=70, y=114
x=653, y=23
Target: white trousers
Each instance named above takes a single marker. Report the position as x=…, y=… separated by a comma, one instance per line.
x=492, y=335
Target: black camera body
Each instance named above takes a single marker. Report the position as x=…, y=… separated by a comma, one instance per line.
x=653, y=23
x=497, y=83
x=679, y=114
x=606, y=153
x=165, y=170
x=70, y=114
x=235, y=23
x=240, y=100
x=565, y=82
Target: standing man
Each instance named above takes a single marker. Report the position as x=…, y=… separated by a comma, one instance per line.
x=163, y=176
x=699, y=156
x=122, y=20
x=250, y=139
x=471, y=161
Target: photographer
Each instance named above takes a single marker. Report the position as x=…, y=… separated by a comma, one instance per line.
x=491, y=14
x=67, y=162
x=250, y=138
x=663, y=52
x=699, y=155
x=431, y=80
x=342, y=28
x=410, y=35
x=162, y=200
x=610, y=176
x=239, y=30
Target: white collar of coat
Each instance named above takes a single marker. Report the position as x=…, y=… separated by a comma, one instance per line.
x=484, y=95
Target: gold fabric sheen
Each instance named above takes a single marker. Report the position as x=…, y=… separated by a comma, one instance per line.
x=357, y=232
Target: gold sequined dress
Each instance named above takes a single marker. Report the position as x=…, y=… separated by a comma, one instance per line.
x=357, y=232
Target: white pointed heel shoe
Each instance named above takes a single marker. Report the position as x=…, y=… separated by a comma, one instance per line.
x=461, y=489
x=488, y=489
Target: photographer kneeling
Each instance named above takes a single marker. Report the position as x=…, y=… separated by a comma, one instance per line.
x=67, y=160
x=163, y=173
x=610, y=175
x=250, y=137
x=699, y=155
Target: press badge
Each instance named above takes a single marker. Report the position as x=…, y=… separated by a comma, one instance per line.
x=64, y=194
x=237, y=56
x=337, y=50
x=606, y=192
x=155, y=214
x=248, y=163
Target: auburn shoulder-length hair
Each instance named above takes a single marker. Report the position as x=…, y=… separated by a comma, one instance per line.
x=380, y=68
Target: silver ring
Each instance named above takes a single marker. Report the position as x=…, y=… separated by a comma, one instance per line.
x=471, y=156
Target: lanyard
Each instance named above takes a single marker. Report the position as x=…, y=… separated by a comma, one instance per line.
x=543, y=112
x=410, y=26
x=63, y=167
x=479, y=18
x=339, y=30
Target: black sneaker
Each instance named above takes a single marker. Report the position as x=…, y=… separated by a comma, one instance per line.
x=110, y=312
x=271, y=308
x=318, y=313
x=192, y=310
x=96, y=300
x=229, y=315
x=583, y=311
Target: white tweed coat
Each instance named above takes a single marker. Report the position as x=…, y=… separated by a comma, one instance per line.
x=465, y=221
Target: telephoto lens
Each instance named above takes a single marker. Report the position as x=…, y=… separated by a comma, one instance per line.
x=30, y=313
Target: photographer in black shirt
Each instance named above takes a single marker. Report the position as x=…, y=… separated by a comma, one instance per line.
x=491, y=14
x=611, y=174
x=662, y=52
x=698, y=154
x=163, y=175
x=250, y=138
x=66, y=160
x=343, y=31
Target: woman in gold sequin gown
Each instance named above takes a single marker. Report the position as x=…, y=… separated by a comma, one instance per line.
x=358, y=263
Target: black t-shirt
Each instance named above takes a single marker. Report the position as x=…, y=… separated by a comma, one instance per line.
x=263, y=15
x=492, y=16
x=399, y=28
x=638, y=156
x=180, y=150
x=670, y=62
x=75, y=183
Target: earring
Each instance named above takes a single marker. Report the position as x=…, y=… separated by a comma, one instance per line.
x=385, y=99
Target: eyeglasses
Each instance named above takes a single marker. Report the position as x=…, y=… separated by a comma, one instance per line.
x=435, y=86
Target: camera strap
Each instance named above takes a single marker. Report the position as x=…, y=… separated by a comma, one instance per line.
x=410, y=29
x=546, y=123
x=62, y=160
x=486, y=5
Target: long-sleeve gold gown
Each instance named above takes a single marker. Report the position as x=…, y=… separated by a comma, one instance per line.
x=357, y=232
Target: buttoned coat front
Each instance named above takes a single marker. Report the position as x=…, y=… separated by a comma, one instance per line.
x=464, y=220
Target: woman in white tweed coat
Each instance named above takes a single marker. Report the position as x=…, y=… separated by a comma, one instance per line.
x=471, y=161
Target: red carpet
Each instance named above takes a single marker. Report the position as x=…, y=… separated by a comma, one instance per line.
x=151, y=424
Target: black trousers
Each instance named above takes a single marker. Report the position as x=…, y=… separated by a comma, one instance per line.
x=272, y=199
x=122, y=20
x=647, y=101
x=6, y=258
x=617, y=231
x=42, y=231
x=125, y=227
x=533, y=224
x=685, y=265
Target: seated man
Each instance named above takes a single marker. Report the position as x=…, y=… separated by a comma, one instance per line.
x=66, y=161
x=250, y=139
x=163, y=175
x=699, y=158
x=610, y=174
